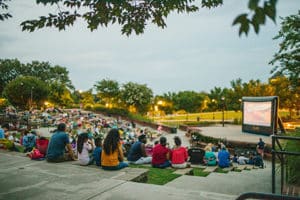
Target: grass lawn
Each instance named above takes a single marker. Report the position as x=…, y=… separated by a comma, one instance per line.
x=199, y=172
x=220, y=170
x=236, y=170
x=158, y=176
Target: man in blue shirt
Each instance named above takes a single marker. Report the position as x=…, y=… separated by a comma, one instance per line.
x=137, y=153
x=224, y=158
x=59, y=142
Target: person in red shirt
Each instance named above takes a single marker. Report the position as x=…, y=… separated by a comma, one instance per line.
x=161, y=154
x=179, y=154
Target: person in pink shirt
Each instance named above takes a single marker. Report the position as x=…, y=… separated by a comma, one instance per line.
x=179, y=154
x=161, y=154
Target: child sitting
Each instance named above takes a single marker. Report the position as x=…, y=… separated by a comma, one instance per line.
x=84, y=145
x=209, y=157
x=97, y=151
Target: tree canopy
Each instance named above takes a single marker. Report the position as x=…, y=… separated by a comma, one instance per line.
x=26, y=91
x=134, y=15
x=12, y=68
x=287, y=60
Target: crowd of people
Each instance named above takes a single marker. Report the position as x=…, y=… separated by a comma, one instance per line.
x=114, y=144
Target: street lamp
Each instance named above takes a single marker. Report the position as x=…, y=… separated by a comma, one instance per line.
x=213, y=107
x=31, y=91
x=223, y=105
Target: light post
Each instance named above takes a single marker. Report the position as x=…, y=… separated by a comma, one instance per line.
x=31, y=91
x=223, y=105
x=213, y=101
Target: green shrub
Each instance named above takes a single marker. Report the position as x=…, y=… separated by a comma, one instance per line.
x=293, y=162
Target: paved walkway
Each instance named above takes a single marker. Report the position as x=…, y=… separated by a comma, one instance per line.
x=22, y=179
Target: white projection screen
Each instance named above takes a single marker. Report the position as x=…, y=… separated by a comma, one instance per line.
x=257, y=113
x=260, y=114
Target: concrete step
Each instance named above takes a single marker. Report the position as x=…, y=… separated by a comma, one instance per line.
x=210, y=168
x=131, y=190
x=183, y=171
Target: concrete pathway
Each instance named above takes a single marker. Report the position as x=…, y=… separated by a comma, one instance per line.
x=232, y=183
x=22, y=179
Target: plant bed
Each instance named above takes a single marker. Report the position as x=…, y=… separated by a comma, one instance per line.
x=158, y=176
x=198, y=172
x=236, y=170
x=220, y=170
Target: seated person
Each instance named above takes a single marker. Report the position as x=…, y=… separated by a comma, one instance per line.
x=29, y=141
x=242, y=160
x=137, y=153
x=179, y=155
x=42, y=144
x=209, y=157
x=196, y=155
x=97, y=151
x=161, y=154
x=223, y=158
x=84, y=146
x=58, y=143
x=112, y=157
x=4, y=141
x=258, y=161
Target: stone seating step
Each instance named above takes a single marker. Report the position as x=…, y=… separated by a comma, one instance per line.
x=183, y=171
x=227, y=169
x=210, y=168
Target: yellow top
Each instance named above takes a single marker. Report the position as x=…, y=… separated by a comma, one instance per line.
x=112, y=159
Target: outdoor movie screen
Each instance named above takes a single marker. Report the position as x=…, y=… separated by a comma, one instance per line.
x=260, y=114
x=257, y=113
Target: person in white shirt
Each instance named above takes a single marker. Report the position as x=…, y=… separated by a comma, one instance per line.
x=84, y=146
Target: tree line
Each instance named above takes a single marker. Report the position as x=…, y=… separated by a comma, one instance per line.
x=31, y=85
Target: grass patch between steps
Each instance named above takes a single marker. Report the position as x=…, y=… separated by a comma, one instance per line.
x=220, y=170
x=236, y=169
x=158, y=176
x=198, y=172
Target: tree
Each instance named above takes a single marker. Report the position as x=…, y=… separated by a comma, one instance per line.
x=133, y=15
x=12, y=68
x=48, y=73
x=189, y=101
x=287, y=59
x=163, y=104
x=4, y=6
x=26, y=91
x=108, y=91
x=9, y=70
x=288, y=99
x=87, y=98
x=137, y=95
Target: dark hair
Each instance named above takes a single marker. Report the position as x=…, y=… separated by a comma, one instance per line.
x=5, y=125
x=177, y=141
x=98, y=142
x=111, y=141
x=142, y=137
x=163, y=141
x=81, y=138
x=61, y=127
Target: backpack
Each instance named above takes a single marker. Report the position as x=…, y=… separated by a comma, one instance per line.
x=36, y=155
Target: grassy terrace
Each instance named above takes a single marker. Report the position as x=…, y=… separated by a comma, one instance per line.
x=158, y=176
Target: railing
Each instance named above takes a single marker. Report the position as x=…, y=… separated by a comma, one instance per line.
x=254, y=195
x=281, y=155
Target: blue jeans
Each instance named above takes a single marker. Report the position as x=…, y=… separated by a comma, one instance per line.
x=120, y=166
x=167, y=163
